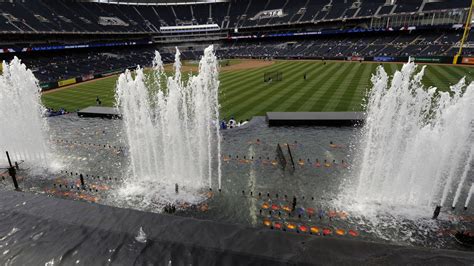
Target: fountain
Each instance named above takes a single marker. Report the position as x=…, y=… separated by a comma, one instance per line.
x=22, y=120
x=417, y=144
x=172, y=129
x=165, y=155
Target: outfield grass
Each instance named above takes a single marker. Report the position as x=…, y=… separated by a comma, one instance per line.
x=336, y=86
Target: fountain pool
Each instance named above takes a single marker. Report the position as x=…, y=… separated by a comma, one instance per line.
x=235, y=176
x=250, y=188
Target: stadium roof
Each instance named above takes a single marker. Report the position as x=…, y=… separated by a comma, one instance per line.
x=154, y=2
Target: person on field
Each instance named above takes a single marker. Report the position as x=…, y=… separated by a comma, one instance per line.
x=223, y=124
x=232, y=123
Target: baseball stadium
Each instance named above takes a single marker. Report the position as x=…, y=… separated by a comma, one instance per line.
x=236, y=132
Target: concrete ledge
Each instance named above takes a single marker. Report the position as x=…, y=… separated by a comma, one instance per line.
x=97, y=111
x=97, y=234
x=332, y=119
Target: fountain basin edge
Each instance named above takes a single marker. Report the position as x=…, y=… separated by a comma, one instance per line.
x=89, y=229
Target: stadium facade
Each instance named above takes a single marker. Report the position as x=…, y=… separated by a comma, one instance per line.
x=66, y=42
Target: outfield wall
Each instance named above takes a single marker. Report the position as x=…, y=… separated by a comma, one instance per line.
x=61, y=83
x=467, y=60
x=386, y=59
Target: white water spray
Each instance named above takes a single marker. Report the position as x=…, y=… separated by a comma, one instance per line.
x=22, y=124
x=416, y=145
x=469, y=195
x=173, y=129
x=461, y=184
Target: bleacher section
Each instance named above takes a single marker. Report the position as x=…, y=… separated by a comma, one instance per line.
x=407, y=6
x=111, y=37
x=70, y=16
x=63, y=65
x=386, y=9
x=444, y=5
x=368, y=8
x=339, y=8
x=425, y=44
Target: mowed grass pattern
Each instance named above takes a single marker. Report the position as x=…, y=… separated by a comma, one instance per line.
x=334, y=86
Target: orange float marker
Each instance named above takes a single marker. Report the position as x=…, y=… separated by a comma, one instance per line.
x=265, y=205
x=315, y=229
x=344, y=164
x=327, y=231
x=340, y=232
x=353, y=233
x=286, y=208
x=333, y=145
x=277, y=225
x=102, y=187
x=291, y=226
x=267, y=223
x=342, y=215
x=303, y=228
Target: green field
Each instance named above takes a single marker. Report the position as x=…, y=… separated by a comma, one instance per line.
x=335, y=86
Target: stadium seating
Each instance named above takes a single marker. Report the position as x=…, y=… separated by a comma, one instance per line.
x=61, y=16
x=69, y=18
x=340, y=8
x=443, y=5
x=65, y=65
x=386, y=9
x=368, y=8
x=314, y=10
x=405, y=6
x=393, y=45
